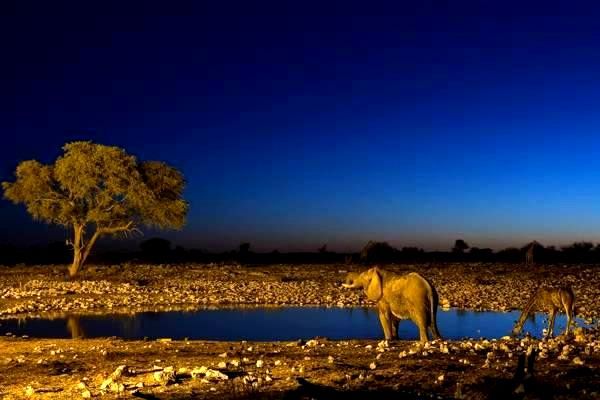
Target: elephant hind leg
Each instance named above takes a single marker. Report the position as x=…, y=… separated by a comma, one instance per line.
x=421, y=322
x=435, y=334
x=423, y=334
x=394, y=325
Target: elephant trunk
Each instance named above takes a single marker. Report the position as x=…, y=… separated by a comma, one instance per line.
x=352, y=281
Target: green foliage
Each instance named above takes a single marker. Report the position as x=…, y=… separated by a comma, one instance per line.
x=98, y=186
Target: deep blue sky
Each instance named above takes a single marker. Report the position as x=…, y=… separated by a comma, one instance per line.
x=298, y=125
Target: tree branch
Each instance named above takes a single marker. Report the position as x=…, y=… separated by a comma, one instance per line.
x=117, y=202
x=123, y=228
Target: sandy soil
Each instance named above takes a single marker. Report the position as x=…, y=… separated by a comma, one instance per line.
x=319, y=369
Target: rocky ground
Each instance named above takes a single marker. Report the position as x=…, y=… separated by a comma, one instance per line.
x=37, y=290
x=564, y=368
x=319, y=369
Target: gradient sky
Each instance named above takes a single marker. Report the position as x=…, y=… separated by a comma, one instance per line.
x=297, y=125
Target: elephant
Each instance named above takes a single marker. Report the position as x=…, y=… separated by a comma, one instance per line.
x=399, y=297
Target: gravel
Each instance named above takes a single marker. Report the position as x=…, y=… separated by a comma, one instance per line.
x=38, y=290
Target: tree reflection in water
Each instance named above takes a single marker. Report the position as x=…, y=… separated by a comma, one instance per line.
x=74, y=327
x=131, y=325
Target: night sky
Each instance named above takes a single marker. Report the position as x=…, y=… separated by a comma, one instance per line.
x=298, y=124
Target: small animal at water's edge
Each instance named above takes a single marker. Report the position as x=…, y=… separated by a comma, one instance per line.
x=551, y=300
x=399, y=297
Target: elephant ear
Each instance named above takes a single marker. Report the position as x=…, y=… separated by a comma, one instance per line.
x=374, y=289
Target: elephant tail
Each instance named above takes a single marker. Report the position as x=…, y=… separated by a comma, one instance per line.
x=433, y=301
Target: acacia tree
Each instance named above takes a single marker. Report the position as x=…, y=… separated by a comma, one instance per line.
x=99, y=190
x=460, y=246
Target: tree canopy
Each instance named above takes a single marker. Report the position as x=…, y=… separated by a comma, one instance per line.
x=99, y=190
x=460, y=246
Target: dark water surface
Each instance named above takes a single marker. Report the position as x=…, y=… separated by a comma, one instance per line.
x=269, y=324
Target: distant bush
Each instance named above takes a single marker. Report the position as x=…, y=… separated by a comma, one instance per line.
x=378, y=252
x=156, y=250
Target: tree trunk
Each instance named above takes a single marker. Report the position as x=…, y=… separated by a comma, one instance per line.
x=88, y=247
x=77, y=251
x=77, y=263
x=81, y=251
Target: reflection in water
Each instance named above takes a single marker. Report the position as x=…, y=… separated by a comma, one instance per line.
x=461, y=312
x=284, y=323
x=74, y=327
x=131, y=325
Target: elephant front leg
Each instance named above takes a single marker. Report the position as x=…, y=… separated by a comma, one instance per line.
x=386, y=322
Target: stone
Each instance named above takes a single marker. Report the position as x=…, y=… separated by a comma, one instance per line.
x=212, y=374
x=165, y=377
x=198, y=372
x=105, y=385
x=208, y=374
x=578, y=361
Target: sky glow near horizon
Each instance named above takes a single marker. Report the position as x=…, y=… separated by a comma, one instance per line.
x=337, y=125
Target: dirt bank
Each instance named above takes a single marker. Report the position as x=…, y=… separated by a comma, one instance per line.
x=321, y=369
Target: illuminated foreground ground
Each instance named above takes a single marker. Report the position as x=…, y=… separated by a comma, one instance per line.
x=321, y=369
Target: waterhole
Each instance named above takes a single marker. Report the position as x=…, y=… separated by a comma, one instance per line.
x=270, y=324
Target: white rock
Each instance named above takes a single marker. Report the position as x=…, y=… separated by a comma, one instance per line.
x=208, y=374
x=212, y=374
x=166, y=376
x=106, y=383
